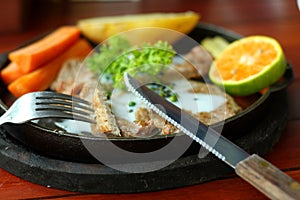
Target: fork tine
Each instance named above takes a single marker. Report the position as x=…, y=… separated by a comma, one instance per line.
x=48, y=105
x=48, y=97
x=64, y=103
x=66, y=115
x=64, y=106
x=54, y=95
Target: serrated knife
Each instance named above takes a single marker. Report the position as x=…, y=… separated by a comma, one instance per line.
x=252, y=168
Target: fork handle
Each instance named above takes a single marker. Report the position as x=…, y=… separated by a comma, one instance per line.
x=267, y=178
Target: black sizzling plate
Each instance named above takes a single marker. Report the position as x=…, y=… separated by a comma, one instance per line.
x=68, y=146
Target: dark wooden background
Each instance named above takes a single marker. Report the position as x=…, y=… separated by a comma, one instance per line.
x=280, y=19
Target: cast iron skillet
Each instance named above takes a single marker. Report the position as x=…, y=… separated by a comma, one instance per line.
x=68, y=146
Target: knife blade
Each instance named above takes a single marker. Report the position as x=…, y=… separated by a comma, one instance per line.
x=255, y=170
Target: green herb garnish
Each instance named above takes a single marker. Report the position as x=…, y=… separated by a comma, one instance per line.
x=173, y=98
x=131, y=103
x=117, y=57
x=163, y=91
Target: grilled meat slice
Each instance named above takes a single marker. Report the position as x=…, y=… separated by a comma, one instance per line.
x=196, y=63
x=226, y=110
x=146, y=117
x=106, y=121
x=67, y=81
x=138, y=129
x=86, y=87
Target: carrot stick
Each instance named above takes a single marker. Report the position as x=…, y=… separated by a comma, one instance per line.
x=41, y=78
x=36, y=54
x=11, y=72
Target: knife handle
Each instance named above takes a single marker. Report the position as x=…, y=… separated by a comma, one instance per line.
x=267, y=178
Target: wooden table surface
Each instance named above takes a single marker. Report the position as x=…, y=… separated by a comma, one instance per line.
x=277, y=18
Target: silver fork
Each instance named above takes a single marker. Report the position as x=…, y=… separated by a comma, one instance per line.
x=47, y=104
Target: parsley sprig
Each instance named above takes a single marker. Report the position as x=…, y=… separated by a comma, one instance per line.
x=117, y=57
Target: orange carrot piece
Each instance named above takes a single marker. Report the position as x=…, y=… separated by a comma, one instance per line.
x=11, y=72
x=38, y=53
x=41, y=78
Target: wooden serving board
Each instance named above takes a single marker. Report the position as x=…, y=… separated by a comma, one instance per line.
x=97, y=178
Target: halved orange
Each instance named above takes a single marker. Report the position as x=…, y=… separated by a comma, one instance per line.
x=248, y=65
